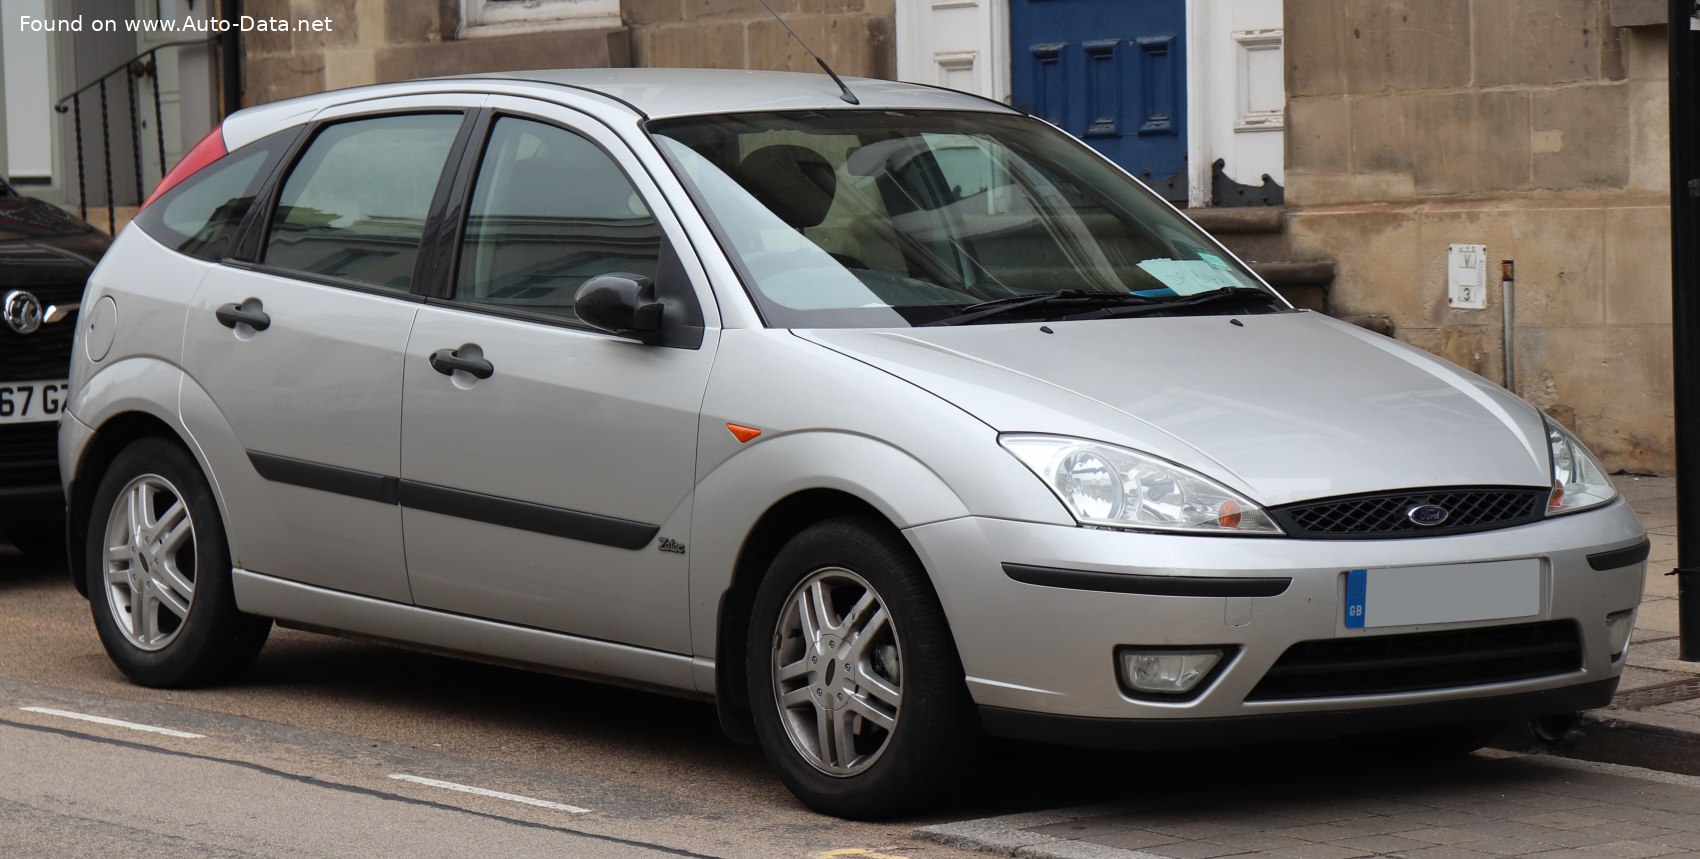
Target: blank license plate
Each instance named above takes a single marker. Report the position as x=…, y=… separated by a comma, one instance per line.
x=1450, y=593
x=32, y=402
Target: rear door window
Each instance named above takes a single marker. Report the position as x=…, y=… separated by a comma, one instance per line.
x=355, y=203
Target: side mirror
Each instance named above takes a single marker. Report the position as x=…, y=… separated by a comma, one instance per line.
x=620, y=303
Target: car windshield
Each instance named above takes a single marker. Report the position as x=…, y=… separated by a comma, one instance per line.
x=880, y=218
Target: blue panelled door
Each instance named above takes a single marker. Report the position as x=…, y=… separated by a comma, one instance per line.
x=1112, y=72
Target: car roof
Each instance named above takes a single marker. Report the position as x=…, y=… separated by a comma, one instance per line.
x=657, y=93
x=643, y=93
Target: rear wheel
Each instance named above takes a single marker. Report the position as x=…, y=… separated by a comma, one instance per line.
x=855, y=686
x=159, y=573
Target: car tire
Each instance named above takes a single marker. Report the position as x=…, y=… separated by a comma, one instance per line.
x=855, y=686
x=1428, y=742
x=159, y=573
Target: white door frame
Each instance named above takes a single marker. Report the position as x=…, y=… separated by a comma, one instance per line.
x=925, y=56
x=1197, y=146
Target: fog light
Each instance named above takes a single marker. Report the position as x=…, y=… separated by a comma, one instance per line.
x=1167, y=671
x=1619, y=625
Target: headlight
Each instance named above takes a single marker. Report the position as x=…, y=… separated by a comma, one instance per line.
x=1578, y=480
x=1113, y=487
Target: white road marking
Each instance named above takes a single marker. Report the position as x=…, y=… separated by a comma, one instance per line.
x=494, y=794
x=116, y=723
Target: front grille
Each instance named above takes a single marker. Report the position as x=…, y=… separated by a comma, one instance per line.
x=1386, y=515
x=1381, y=664
x=29, y=454
x=45, y=354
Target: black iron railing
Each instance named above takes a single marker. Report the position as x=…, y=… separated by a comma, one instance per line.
x=143, y=65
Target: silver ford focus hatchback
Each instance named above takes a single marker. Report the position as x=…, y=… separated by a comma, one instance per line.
x=886, y=425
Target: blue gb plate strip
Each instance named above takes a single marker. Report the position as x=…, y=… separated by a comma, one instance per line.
x=1357, y=593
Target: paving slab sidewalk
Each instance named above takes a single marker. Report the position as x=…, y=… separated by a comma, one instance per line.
x=1490, y=804
x=1655, y=720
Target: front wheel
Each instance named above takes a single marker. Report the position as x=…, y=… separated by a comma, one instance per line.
x=159, y=573
x=855, y=686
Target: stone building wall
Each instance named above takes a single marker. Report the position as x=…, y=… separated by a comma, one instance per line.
x=1534, y=127
x=378, y=41
x=854, y=36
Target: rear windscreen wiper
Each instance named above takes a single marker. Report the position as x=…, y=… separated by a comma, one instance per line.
x=1226, y=293
x=1063, y=298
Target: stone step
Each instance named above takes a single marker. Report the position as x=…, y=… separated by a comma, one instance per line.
x=1256, y=247
x=121, y=216
x=1239, y=220
x=1251, y=232
x=1312, y=272
x=1303, y=282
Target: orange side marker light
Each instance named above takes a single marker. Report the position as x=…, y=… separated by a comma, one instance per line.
x=743, y=433
x=1228, y=515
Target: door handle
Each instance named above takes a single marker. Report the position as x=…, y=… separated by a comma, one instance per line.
x=446, y=361
x=249, y=312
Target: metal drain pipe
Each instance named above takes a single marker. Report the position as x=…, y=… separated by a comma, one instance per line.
x=1684, y=30
x=1508, y=299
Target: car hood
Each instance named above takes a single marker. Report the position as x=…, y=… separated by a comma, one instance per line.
x=1282, y=407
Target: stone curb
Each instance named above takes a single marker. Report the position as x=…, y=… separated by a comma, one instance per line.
x=1632, y=738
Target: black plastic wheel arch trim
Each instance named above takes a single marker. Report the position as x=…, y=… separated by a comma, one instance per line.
x=1625, y=557
x=1104, y=733
x=1149, y=585
x=459, y=503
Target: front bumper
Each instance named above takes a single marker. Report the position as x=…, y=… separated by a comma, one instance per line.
x=1271, y=727
x=1031, y=650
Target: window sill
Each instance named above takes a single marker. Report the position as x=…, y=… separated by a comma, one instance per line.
x=526, y=28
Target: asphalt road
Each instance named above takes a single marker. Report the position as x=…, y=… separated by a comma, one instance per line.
x=297, y=758
x=334, y=747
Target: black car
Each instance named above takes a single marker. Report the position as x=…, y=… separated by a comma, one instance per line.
x=46, y=255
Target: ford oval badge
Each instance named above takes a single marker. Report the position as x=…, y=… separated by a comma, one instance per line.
x=1427, y=515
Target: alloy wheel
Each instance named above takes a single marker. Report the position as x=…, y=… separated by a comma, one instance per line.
x=837, y=672
x=150, y=562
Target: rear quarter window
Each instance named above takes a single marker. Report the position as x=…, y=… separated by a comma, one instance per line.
x=200, y=216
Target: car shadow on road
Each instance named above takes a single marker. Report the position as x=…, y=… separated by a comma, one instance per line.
x=20, y=570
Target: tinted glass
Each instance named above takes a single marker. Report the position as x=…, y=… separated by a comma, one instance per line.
x=200, y=216
x=549, y=211
x=897, y=218
x=355, y=204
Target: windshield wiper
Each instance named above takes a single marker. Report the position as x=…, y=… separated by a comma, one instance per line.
x=1198, y=299
x=1059, y=298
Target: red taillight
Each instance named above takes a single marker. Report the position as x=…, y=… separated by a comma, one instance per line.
x=210, y=149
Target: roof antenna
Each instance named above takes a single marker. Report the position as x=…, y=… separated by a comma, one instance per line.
x=845, y=92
